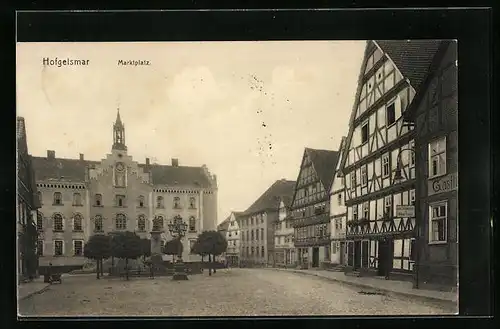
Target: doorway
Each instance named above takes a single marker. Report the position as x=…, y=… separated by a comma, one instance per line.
x=342, y=253
x=357, y=255
x=385, y=257
x=315, y=257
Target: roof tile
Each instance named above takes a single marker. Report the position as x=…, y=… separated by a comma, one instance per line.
x=270, y=199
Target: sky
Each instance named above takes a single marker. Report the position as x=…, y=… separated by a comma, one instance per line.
x=245, y=109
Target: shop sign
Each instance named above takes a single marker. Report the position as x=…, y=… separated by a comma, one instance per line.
x=443, y=184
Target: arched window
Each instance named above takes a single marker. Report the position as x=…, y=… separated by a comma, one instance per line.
x=140, y=200
x=39, y=221
x=58, y=223
x=177, y=202
x=192, y=202
x=192, y=224
x=158, y=223
x=121, y=222
x=159, y=202
x=57, y=198
x=98, y=223
x=77, y=223
x=98, y=200
x=141, y=223
x=77, y=199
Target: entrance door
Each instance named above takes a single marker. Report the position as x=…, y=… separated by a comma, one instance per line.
x=342, y=253
x=315, y=255
x=385, y=257
x=357, y=255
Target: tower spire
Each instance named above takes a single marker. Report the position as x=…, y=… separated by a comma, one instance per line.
x=119, y=133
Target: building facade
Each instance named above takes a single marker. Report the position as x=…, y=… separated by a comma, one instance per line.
x=338, y=215
x=310, y=207
x=233, y=237
x=80, y=198
x=435, y=114
x=257, y=225
x=283, y=235
x=27, y=206
x=380, y=237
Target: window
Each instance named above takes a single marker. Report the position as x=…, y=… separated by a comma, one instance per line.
x=39, y=248
x=120, y=200
x=412, y=197
x=391, y=114
x=437, y=157
x=77, y=223
x=39, y=222
x=158, y=223
x=141, y=201
x=257, y=234
x=388, y=205
x=263, y=251
x=339, y=199
x=177, y=202
x=386, y=170
x=192, y=224
x=57, y=198
x=192, y=202
x=437, y=218
x=141, y=223
x=355, y=212
x=159, y=202
x=121, y=222
x=58, y=223
x=366, y=210
x=364, y=176
x=262, y=233
x=98, y=200
x=58, y=248
x=78, y=248
x=77, y=199
x=353, y=179
x=412, y=154
x=338, y=223
x=364, y=132
x=252, y=235
x=98, y=223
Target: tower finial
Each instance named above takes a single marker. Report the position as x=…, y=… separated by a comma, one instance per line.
x=119, y=133
x=118, y=119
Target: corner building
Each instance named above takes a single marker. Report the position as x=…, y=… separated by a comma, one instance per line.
x=80, y=198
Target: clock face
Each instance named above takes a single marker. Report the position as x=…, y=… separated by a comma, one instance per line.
x=120, y=166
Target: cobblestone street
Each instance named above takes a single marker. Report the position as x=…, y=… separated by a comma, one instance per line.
x=234, y=292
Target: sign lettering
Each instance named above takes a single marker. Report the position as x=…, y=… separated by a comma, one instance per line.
x=443, y=184
x=405, y=211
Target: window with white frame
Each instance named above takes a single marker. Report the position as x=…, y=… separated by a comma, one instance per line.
x=177, y=202
x=140, y=200
x=58, y=248
x=366, y=210
x=98, y=200
x=364, y=176
x=77, y=223
x=192, y=224
x=338, y=223
x=158, y=223
x=437, y=157
x=120, y=200
x=58, y=223
x=57, y=198
x=391, y=113
x=438, y=213
x=412, y=154
x=141, y=223
x=159, y=202
x=355, y=212
x=364, y=132
x=121, y=222
x=77, y=199
x=388, y=205
x=412, y=197
x=39, y=222
x=39, y=247
x=353, y=180
x=386, y=169
x=77, y=248
x=98, y=223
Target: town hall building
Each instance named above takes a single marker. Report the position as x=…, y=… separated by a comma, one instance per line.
x=80, y=198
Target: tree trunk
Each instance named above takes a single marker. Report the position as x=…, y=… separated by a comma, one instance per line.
x=213, y=261
x=97, y=268
x=126, y=268
x=102, y=268
x=209, y=265
x=112, y=264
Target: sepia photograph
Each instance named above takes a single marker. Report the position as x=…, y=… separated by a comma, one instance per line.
x=237, y=178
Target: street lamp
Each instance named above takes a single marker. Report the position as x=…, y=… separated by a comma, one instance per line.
x=397, y=177
x=178, y=229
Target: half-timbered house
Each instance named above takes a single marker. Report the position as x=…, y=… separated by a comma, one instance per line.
x=380, y=224
x=338, y=215
x=310, y=206
x=435, y=114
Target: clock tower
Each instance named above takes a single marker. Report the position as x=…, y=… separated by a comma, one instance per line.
x=119, y=134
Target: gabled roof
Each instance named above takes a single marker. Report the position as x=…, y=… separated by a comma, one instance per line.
x=271, y=198
x=324, y=163
x=412, y=58
x=287, y=200
x=224, y=225
x=74, y=170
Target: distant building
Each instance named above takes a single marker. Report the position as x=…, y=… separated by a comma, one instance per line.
x=222, y=229
x=81, y=198
x=283, y=235
x=310, y=206
x=232, y=233
x=338, y=215
x=435, y=113
x=257, y=225
x=27, y=205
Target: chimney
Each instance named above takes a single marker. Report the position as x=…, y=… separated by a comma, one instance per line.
x=51, y=154
x=81, y=157
x=147, y=161
x=175, y=162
